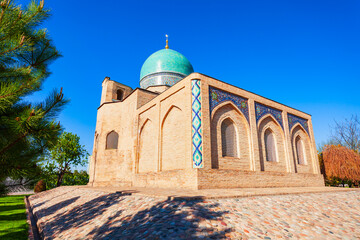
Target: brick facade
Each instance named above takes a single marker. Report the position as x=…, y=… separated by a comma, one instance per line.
x=156, y=139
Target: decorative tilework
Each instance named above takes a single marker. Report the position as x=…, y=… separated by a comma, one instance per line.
x=162, y=78
x=262, y=110
x=295, y=119
x=196, y=124
x=218, y=96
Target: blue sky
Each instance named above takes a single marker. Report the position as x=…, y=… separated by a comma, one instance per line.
x=305, y=54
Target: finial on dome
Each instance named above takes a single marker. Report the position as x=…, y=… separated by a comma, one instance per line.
x=167, y=42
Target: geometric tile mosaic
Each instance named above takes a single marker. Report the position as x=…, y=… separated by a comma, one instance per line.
x=218, y=96
x=262, y=110
x=295, y=119
x=197, y=151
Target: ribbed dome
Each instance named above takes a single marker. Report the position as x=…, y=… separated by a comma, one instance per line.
x=164, y=67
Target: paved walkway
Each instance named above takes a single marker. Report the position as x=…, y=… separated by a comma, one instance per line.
x=85, y=213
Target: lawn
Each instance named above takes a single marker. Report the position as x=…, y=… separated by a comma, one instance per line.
x=13, y=223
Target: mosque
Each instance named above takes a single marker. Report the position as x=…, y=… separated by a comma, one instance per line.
x=182, y=129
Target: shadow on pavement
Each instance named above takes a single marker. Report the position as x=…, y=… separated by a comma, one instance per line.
x=80, y=215
x=165, y=220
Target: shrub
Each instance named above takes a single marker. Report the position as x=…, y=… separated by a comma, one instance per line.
x=40, y=186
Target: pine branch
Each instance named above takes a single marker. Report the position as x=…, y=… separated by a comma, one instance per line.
x=13, y=143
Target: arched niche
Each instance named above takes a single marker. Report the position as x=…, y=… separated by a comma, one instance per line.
x=229, y=139
x=119, y=94
x=300, y=139
x=172, y=140
x=146, y=158
x=112, y=140
x=271, y=138
x=227, y=113
x=270, y=146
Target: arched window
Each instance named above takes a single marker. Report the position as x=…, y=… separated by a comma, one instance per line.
x=300, y=150
x=228, y=139
x=119, y=94
x=112, y=140
x=270, y=147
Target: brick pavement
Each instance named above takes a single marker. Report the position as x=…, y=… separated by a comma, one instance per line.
x=85, y=213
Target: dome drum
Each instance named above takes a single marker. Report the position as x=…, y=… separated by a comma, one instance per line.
x=162, y=78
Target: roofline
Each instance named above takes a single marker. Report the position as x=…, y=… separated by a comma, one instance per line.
x=208, y=77
x=141, y=89
x=253, y=93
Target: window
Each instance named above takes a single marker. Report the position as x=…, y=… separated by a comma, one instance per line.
x=300, y=150
x=119, y=94
x=112, y=140
x=228, y=139
x=270, y=147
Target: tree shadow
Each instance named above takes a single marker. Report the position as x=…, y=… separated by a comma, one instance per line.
x=170, y=219
x=80, y=215
x=52, y=209
x=11, y=207
x=13, y=216
x=18, y=234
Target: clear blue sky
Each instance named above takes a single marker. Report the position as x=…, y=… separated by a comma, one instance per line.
x=305, y=54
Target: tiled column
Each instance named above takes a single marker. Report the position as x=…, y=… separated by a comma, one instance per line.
x=197, y=142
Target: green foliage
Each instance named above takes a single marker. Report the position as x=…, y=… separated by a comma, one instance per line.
x=76, y=178
x=13, y=223
x=26, y=129
x=40, y=186
x=3, y=190
x=69, y=179
x=67, y=152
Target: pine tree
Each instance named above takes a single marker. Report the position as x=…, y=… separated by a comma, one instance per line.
x=26, y=129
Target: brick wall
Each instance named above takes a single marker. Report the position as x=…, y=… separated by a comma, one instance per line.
x=225, y=178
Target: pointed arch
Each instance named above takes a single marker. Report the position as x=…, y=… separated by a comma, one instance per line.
x=237, y=130
x=229, y=138
x=271, y=144
x=301, y=149
x=146, y=156
x=265, y=117
x=112, y=139
x=172, y=135
x=232, y=105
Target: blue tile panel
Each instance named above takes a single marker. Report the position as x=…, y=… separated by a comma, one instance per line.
x=197, y=151
x=163, y=78
x=218, y=96
x=295, y=119
x=262, y=110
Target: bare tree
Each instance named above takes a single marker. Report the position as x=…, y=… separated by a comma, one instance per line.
x=347, y=133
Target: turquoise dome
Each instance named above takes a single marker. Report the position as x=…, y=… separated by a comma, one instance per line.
x=164, y=67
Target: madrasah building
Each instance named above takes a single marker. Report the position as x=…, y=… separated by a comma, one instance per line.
x=182, y=129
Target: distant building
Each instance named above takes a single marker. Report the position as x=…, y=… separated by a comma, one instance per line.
x=183, y=129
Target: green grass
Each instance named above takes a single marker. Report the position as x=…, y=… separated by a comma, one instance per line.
x=13, y=223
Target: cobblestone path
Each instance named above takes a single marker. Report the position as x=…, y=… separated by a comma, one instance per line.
x=75, y=213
